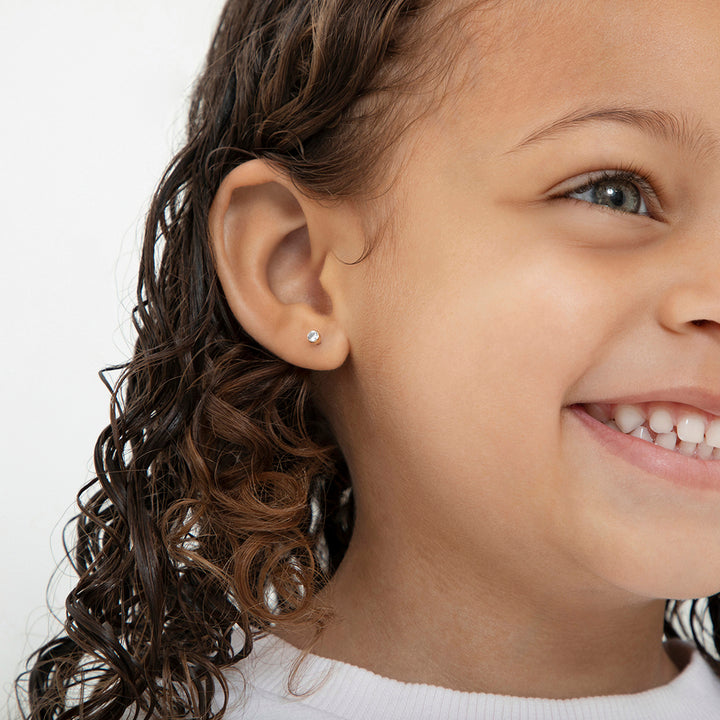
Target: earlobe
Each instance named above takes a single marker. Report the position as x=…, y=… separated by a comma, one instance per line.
x=269, y=259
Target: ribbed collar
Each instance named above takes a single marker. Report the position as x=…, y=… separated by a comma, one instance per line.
x=347, y=692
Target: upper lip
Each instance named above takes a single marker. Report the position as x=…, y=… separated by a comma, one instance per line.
x=697, y=397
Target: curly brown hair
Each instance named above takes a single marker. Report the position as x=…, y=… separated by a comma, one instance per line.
x=222, y=503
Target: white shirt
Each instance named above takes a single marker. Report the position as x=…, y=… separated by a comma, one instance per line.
x=345, y=692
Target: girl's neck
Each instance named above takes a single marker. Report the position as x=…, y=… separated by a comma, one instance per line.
x=457, y=631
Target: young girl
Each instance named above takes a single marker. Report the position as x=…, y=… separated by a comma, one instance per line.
x=423, y=418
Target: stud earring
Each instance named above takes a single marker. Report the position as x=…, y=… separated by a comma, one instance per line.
x=314, y=337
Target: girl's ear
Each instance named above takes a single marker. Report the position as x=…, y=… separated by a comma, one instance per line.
x=273, y=250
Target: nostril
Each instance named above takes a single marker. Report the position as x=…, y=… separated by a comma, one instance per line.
x=705, y=323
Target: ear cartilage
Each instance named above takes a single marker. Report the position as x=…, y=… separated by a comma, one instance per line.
x=314, y=337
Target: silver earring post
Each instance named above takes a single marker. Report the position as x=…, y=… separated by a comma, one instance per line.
x=314, y=337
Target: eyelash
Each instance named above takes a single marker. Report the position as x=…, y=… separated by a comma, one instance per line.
x=648, y=188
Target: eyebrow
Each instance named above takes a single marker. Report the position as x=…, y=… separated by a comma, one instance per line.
x=678, y=129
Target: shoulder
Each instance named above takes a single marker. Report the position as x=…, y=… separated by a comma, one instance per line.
x=261, y=705
x=260, y=686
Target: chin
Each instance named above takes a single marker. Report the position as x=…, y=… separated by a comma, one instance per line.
x=673, y=581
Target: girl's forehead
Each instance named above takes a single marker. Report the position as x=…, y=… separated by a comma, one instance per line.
x=534, y=61
x=573, y=36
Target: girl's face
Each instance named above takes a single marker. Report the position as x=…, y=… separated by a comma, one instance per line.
x=555, y=243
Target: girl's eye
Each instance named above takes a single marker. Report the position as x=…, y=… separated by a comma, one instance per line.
x=615, y=191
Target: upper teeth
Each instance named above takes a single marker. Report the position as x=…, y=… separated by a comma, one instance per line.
x=629, y=417
x=697, y=432
x=691, y=428
x=661, y=421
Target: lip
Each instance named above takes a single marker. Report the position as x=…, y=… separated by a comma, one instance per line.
x=687, y=472
x=701, y=399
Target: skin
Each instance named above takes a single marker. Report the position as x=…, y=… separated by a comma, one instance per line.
x=499, y=547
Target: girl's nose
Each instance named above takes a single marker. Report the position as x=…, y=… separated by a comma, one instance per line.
x=690, y=278
x=693, y=305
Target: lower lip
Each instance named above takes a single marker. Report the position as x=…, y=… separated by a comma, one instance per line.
x=688, y=472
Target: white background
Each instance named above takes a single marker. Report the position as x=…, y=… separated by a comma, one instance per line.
x=92, y=103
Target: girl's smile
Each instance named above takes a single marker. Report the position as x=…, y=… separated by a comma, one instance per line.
x=673, y=449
